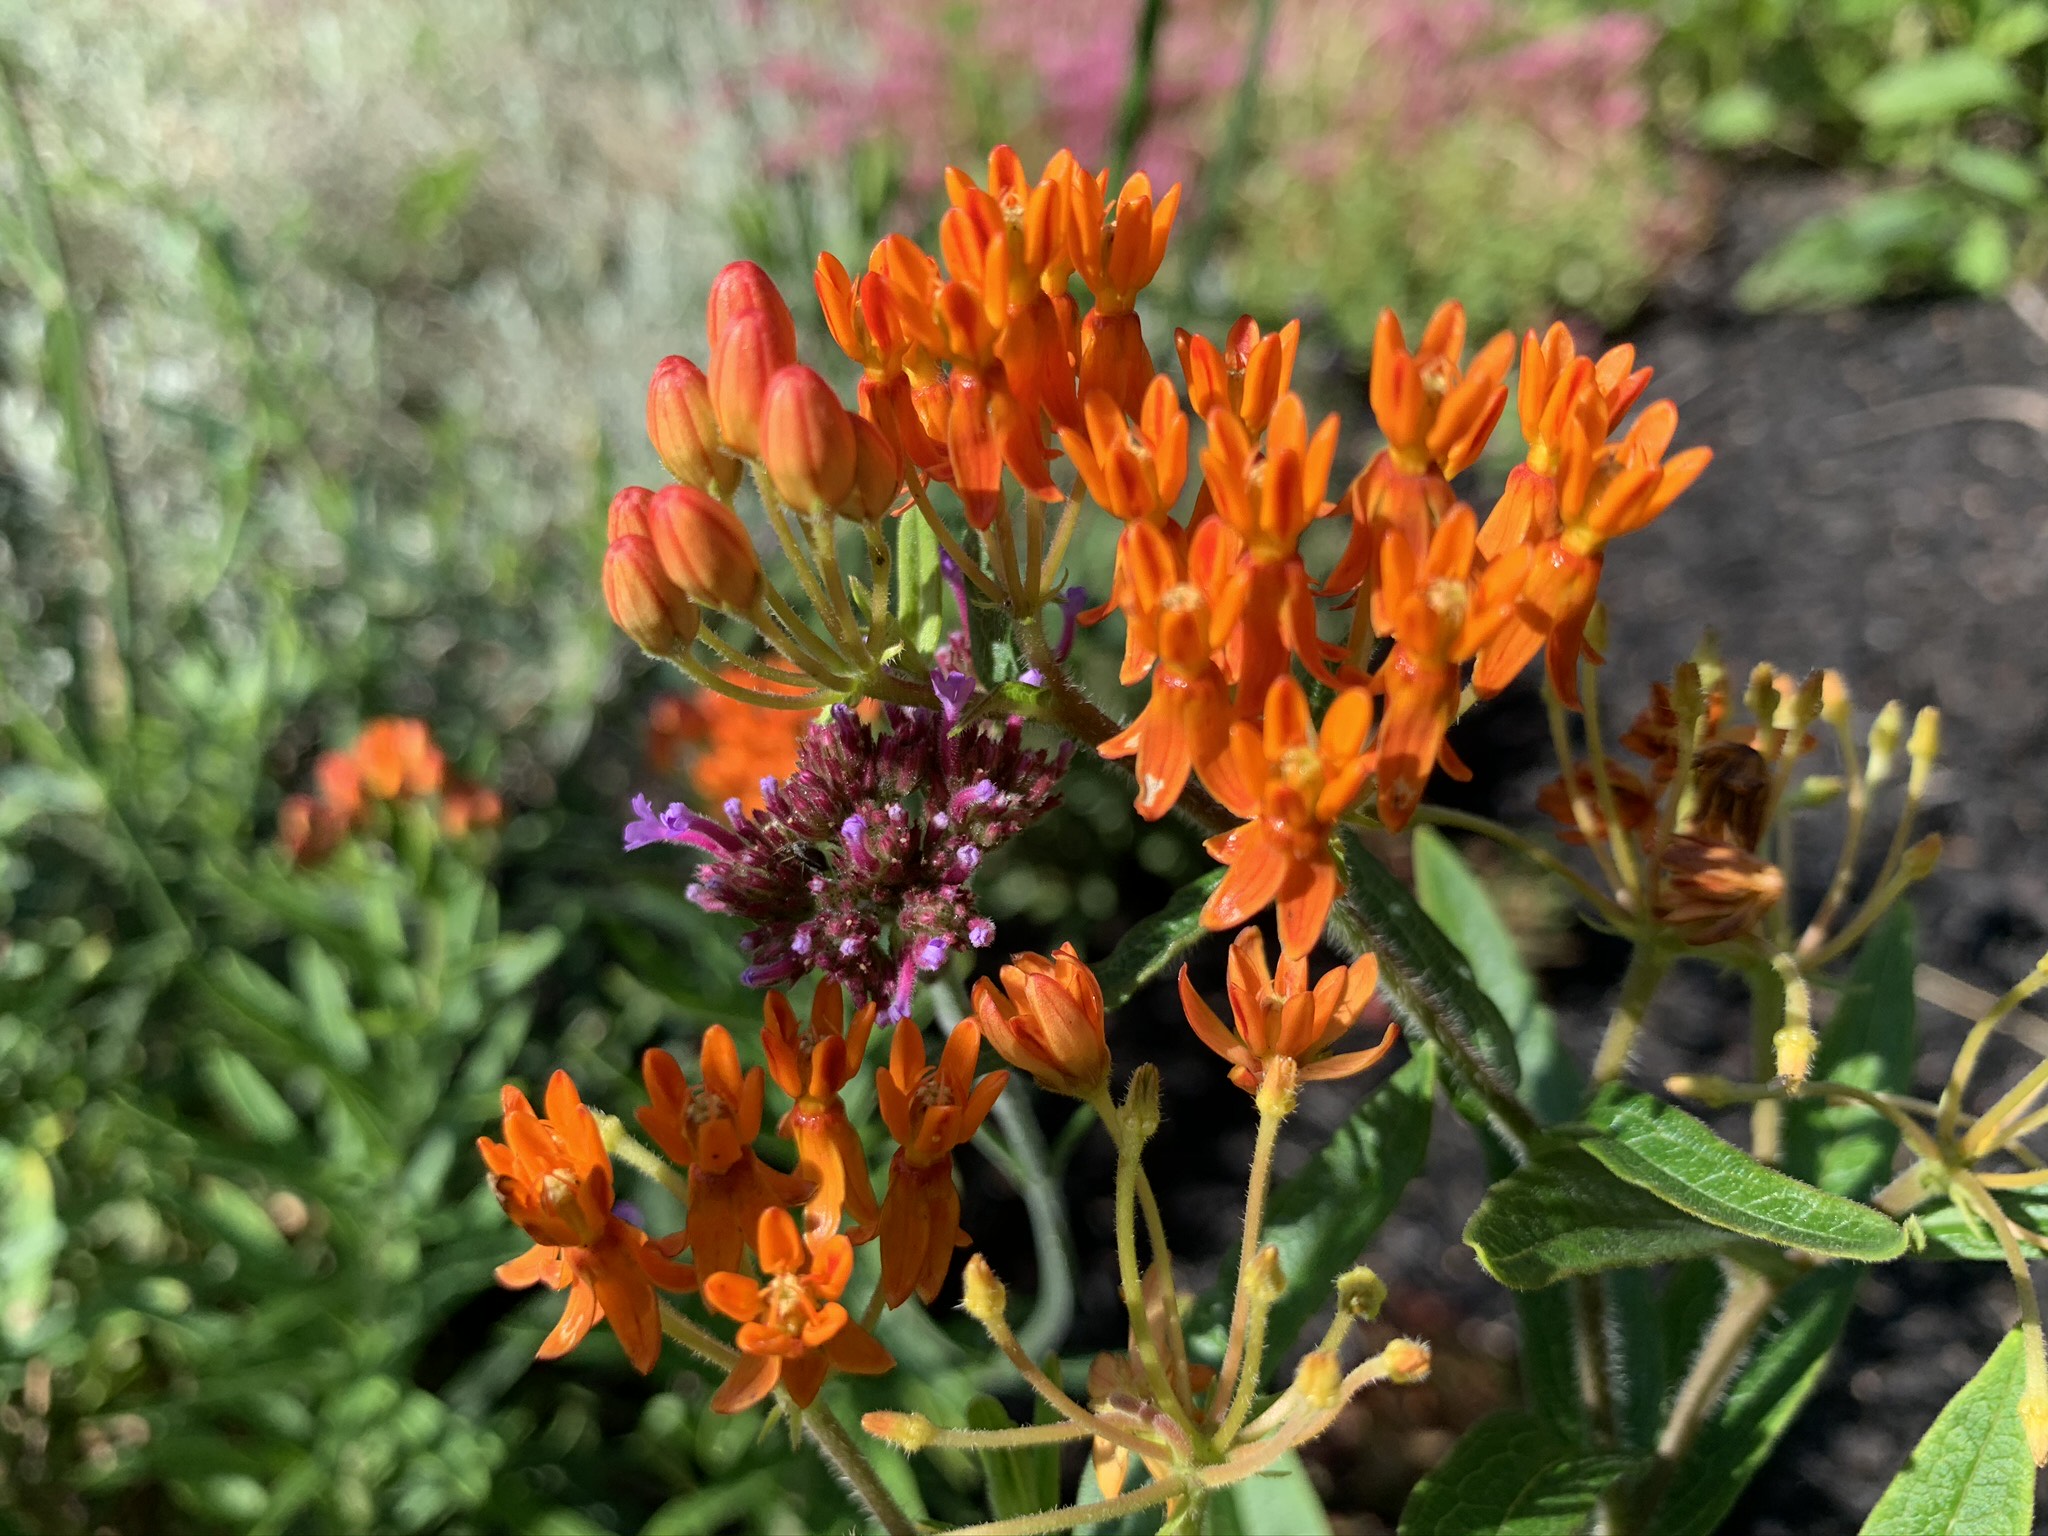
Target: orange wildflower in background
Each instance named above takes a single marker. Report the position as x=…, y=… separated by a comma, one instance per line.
x=811, y=1063
x=724, y=747
x=793, y=1327
x=1280, y=1015
x=1299, y=781
x=711, y=1131
x=1047, y=1020
x=554, y=1179
x=930, y=1111
x=393, y=759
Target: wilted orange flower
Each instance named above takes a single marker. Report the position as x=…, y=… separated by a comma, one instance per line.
x=1441, y=613
x=711, y=1132
x=724, y=747
x=1299, y=781
x=1280, y=1015
x=1654, y=733
x=793, y=1328
x=1047, y=1021
x=554, y=1179
x=1247, y=378
x=930, y=1111
x=1713, y=891
x=1437, y=415
x=1178, y=614
x=811, y=1063
x=1634, y=805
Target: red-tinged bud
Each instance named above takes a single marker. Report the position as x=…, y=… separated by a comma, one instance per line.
x=1047, y=1020
x=807, y=443
x=628, y=513
x=704, y=549
x=877, y=476
x=644, y=602
x=743, y=288
x=751, y=352
x=684, y=429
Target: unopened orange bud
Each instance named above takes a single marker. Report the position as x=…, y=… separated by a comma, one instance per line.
x=743, y=288
x=1047, y=1020
x=643, y=601
x=628, y=513
x=807, y=442
x=1407, y=1361
x=1320, y=1380
x=751, y=352
x=911, y=1432
x=684, y=429
x=705, y=549
x=877, y=474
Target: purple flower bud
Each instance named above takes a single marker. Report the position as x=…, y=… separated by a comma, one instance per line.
x=1071, y=604
x=954, y=690
x=931, y=954
x=980, y=932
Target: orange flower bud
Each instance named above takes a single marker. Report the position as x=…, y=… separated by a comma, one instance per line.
x=704, y=548
x=752, y=351
x=743, y=288
x=807, y=442
x=684, y=429
x=1047, y=1020
x=643, y=601
x=877, y=476
x=628, y=513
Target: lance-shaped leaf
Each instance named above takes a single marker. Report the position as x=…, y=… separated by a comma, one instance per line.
x=1847, y=1148
x=1949, y=1231
x=1322, y=1218
x=1563, y=1213
x=1512, y=1475
x=1155, y=942
x=1022, y=1480
x=1971, y=1474
x=1280, y=1501
x=1782, y=1370
x=920, y=591
x=1665, y=1150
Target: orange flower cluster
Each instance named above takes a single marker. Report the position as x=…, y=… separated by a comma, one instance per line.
x=724, y=747
x=966, y=358
x=782, y=1285
x=1279, y=1014
x=1220, y=611
x=393, y=760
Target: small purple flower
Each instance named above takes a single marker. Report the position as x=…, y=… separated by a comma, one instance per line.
x=1071, y=603
x=954, y=690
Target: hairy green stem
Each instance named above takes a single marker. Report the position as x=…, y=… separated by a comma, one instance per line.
x=837, y=1447
x=1647, y=963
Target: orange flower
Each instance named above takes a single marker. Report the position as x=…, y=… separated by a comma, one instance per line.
x=1437, y=416
x=1047, y=1020
x=1117, y=253
x=554, y=1179
x=1135, y=476
x=930, y=1111
x=793, y=1328
x=1301, y=780
x=811, y=1063
x=711, y=1132
x=1441, y=615
x=1634, y=806
x=1178, y=613
x=1247, y=378
x=1281, y=1016
x=398, y=757
x=725, y=746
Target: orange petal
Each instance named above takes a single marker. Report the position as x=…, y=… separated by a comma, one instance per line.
x=753, y=1378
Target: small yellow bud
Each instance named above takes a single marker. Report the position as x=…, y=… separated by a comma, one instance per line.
x=910, y=1432
x=1795, y=1044
x=1922, y=857
x=982, y=1296
x=1712, y=1091
x=1407, y=1361
x=1808, y=702
x=1278, y=1088
x=1923, y=747
x=1706, y=657
x=1688, y=699
x=1813, y=792
x=1762, y=698
x=1320, y=1379
x=1361, y=1293
x=1141, y=1103
x=1265, y=1278
x=1886, y=731
x=1835, y=706
x=2034, y=1419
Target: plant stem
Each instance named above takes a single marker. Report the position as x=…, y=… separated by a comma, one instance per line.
x=1767, y=1116
x=837, y=1447
x=1750, y=1299
x=1647, y=963
x=1133, y=1280
x=1240, y=1355
x=1589, y=1355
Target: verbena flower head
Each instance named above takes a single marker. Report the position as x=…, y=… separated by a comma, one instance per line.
x=860, y=864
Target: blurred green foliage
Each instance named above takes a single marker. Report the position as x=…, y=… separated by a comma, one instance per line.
x=1935, y=108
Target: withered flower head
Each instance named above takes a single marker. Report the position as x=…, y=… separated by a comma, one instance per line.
x=1713, y=891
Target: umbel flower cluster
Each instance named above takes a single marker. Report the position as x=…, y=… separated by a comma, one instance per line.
x=920, y=616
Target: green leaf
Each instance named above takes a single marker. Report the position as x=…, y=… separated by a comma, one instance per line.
x=1154, y=943
x=1739, y=117
x=1564, y=1214
x=1280, y=1501
x=1855, y=254
x=1949, y=1232
x=920, y=591
x=332, y=1017
x=1664, y=1150
x=1937, y=89
x=1512, y=1475
x=518, y=958
x=1454, y=898
x=234, y=1213
x=1847, y=1149
x=1982, y=258
x=1994, y=172
x=245, y=1098
x=31, y=1238
x=1545, y=1359
x=1429, y=983
x=1322, y=1218
x=1021, y=1481
x=1783, y=1369
x=1971, y=1474
x=2013, y=30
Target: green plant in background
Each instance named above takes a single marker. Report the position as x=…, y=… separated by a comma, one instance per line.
x=1934, y=108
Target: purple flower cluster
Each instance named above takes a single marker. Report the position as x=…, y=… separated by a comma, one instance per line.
x=859, y=863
